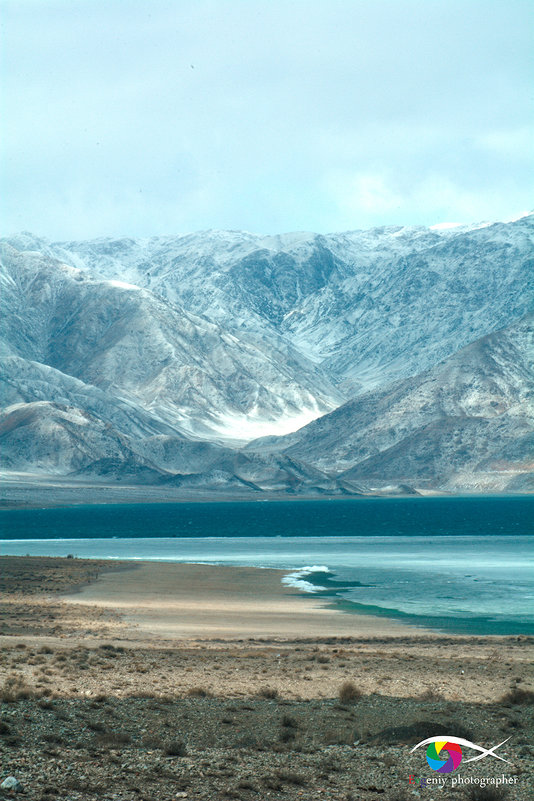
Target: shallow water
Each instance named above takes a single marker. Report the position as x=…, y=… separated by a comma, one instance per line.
x=455, y=564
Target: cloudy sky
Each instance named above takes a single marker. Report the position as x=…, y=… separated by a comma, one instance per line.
x=144, y=118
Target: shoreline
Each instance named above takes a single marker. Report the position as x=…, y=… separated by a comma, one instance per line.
x=227, y=602
x=232, y=631
x=166, y=600
x=12, y=506
x=50, y=492
x=204, y=585
x=100, y=701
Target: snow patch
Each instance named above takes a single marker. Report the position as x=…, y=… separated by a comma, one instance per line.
x=245, y=428
x=122, y=284
x=520, y=216
x=445, y=226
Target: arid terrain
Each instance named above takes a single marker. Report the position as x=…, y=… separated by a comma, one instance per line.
x=100, y=703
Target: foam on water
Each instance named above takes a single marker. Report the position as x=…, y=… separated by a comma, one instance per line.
x=296, y=579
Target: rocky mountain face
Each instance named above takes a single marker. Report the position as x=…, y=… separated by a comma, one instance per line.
x=471, y=414
x=369, y=358
x=369, y=306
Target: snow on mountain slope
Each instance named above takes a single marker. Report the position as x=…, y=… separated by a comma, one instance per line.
x=473, y=412
x=181, y=368
x=25, y=381
x=122, y=355
x=370, y=306
x=56, y=439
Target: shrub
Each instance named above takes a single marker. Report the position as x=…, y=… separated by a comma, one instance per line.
x=53, y=739
x=488, y=793
x=151, y=742
x=289, y=777
x=286, y=735
x=96, y=725
x=15, y=688
x=289, y=722
x=349, y=693
x=518, y=696
x=341, y=736
x=113, y=739
x=270, y=693
x=198, y=692
x=246, y=784
x=176, y=748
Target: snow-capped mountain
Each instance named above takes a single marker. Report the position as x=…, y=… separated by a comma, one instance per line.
x=369, y=306
x=184, y=370
x=154, y=359
x=473, y=414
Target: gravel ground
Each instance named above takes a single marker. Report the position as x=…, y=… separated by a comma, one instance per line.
x=91, y=712
x=163, y=746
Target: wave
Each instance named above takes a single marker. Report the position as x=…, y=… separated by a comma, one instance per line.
x=296, y=578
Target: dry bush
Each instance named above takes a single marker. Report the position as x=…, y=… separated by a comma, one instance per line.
x=489, y=793
x=430, y=694
x=518, y=697
x=176, y=748
x=348, y=692
x=286, y=735
x=95, y=725
x=151, y=742
x=270, y=693
x=288, y=777
x=339, y=736
x=15, y=688
x=113, y=739
x=289, y=722
x=53, y=739
x=199, y=692
x=246, y=784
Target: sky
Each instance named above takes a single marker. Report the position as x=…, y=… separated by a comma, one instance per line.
x=127, y=118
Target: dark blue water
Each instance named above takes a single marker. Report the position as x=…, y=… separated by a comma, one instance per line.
x=409, y=517
x=460, y=565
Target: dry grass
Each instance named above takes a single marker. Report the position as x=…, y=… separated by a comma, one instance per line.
x=269, y=693
x=349, y=693
x=176, y=748
x=15, y=688
x=112, y=739
x=289, y=722
x=517, y=696
x=289, y=777
x=199, y=692
x=489, y=793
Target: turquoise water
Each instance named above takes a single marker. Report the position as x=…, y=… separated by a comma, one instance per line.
x=462, y=565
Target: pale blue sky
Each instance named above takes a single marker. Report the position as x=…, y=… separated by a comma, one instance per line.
x=143, y=118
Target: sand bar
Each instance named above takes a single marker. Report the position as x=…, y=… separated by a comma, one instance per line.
x=177, y=601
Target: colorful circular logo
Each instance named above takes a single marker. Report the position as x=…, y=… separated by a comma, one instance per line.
x=432, y=756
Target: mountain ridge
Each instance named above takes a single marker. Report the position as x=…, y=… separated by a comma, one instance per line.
x=196, y=344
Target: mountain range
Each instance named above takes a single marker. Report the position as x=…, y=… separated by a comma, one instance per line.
x=344, y=363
